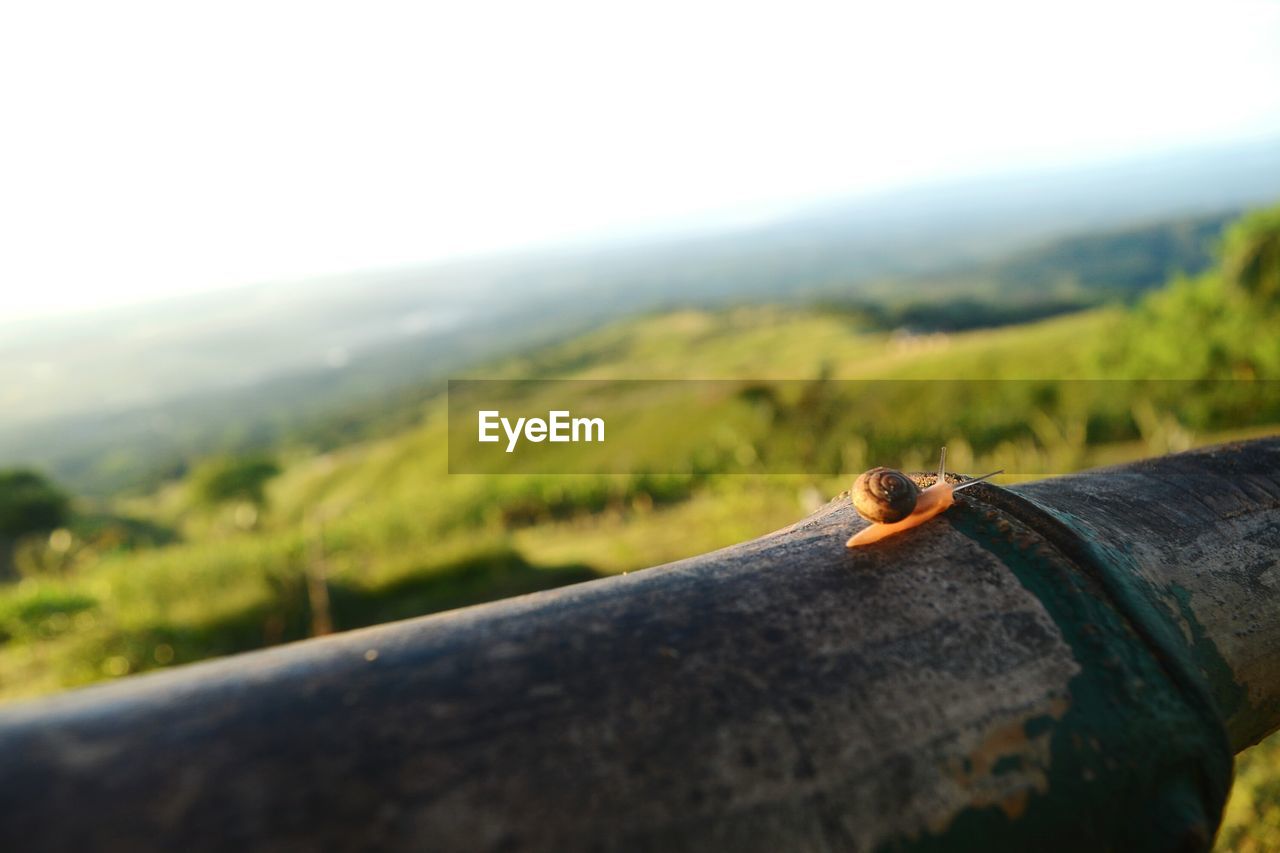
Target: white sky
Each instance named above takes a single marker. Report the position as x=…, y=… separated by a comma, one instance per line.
x=154, y=148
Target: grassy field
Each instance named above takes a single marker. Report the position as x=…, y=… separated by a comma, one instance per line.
x=155, y=581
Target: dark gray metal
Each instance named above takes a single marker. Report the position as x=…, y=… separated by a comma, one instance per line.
x=1052, y=665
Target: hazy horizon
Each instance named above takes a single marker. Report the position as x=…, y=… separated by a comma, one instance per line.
x=713, y=222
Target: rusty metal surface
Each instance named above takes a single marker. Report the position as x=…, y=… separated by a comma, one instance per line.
x=992, y=680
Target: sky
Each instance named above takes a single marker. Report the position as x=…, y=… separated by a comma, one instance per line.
x=158, y=148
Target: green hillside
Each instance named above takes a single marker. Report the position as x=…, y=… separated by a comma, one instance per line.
x=125, y=400
x=379, y=530
x=398, y=536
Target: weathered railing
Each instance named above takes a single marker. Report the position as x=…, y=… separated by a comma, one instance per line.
x=1068, y=664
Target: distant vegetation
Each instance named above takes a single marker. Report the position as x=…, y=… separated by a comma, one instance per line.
x=381, y=390
x=28, y=504
x=1057, y=277
x=1121, y=263
x=1222, y=323
x=145, y=581
x=220, y=481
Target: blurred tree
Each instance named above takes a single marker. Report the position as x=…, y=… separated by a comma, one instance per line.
x=242, y=478
x=1219, y=325
x=1251, y=255
x=28, y=504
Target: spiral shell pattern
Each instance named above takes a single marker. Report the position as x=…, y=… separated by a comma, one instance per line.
x=884, y=495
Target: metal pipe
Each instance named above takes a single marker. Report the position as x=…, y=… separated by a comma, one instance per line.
x=1068, y=664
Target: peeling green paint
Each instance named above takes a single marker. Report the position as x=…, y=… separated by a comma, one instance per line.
x=1197, y=665
x=1232, y=696
x=1037, y=726
x=1007, y=764
x=1140, y=761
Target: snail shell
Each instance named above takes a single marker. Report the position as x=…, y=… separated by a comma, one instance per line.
x=884, y=495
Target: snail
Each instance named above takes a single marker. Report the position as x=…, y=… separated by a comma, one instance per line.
x=892, y=502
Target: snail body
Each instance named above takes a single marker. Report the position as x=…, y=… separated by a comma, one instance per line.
x=892, y=501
